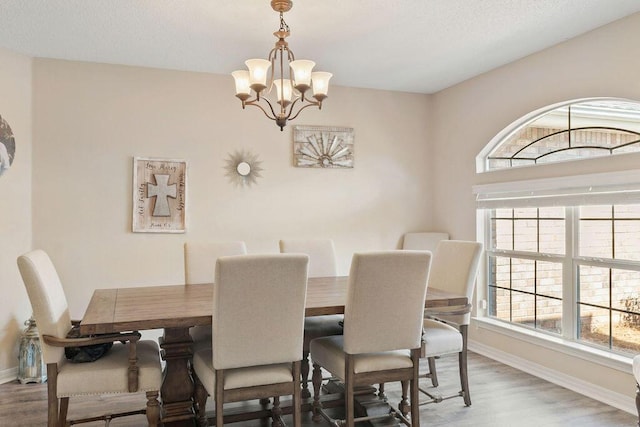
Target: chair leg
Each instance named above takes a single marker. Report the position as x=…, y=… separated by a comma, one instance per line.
x=153, y=409
x=348, y=391
x=381, y=393
x=462, y=362
x=415, y=408
x=219, y=397
x=317, y=383
x=403, y=406
x=432, y=371
x=276, y=413
x=200, y=395
x=297, y=394
x=52, y=394
x=304, y=367
x=62, y=411
x=414, y=388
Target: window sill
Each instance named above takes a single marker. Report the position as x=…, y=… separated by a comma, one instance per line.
x=594, y=355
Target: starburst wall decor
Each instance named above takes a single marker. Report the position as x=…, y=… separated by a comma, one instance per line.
x=322, y=147
x=243, y=168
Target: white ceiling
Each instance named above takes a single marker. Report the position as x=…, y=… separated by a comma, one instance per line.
x=406, y=45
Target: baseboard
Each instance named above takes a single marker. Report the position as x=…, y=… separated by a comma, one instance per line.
x=617, y=400
x=8, y=375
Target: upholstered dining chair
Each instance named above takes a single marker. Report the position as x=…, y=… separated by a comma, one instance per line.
x=199, y=268
x=423, y=241
x=129, y=366
x=454, y=268
x=382, y=330
x=254, y=359
x=322, y=263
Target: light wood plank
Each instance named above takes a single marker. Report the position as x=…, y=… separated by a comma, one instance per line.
x=502, y=397
x=183, y=306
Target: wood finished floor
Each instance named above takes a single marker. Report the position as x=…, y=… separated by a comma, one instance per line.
x=501, y=397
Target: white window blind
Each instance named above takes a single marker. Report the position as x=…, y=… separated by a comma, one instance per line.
x=593, y=189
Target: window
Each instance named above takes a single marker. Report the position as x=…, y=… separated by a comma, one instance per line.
x=563, y=254
x=526, y=255
x=572, y=131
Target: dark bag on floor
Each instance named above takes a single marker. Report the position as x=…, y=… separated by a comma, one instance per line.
x=87, y=353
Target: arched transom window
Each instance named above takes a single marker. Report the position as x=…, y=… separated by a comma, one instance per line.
x=573, y=131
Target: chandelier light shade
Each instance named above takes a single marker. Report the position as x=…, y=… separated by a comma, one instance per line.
x=291, y=83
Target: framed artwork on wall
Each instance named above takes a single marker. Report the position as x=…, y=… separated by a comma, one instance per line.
x=159, y=195
x=322, y=147
x=7, y=146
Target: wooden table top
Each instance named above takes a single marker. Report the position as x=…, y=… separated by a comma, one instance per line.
x=182, y=306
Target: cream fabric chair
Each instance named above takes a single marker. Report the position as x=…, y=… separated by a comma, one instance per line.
x=382, y=329
x=322, y=263
x=454, y=268
x=424, y=241
x=199, y=268
x=258, y=306
x=125, y=368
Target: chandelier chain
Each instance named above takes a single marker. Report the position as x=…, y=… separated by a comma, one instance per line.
x=283, y=24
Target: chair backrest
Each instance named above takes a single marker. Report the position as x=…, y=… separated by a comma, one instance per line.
x=258, y=306
x=322, y=255
x=454, y=268
x=427, y=241
x=385, y=301
x=200, y=259
x=48, y=300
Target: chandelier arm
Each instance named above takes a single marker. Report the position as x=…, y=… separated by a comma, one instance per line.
x=273, y=54
x=280, y=59
x=310, y=104
x=255, y=103
x=270, y=107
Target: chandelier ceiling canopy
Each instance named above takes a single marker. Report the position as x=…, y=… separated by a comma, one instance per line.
x=293, y=79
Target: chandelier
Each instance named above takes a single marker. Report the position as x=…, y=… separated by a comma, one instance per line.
x=292, y=78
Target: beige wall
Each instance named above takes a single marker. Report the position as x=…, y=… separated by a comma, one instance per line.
x=603, y=62
x=91, y=119
x=15, y=214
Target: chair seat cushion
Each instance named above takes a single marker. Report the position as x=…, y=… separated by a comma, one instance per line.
x=439, y=339
x=328, y=352
x=636, y=368
x=321, y=326
x=109, y=374
x=239, y=377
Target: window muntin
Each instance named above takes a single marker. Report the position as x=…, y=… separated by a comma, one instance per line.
x=525, y=287
x=570, y=132
x=528, y=230
x=527, y=283
x=608, y=308
x=610, y=232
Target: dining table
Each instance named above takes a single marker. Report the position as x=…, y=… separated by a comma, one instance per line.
x=176, y=308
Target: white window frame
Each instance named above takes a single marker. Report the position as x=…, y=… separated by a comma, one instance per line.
x=601, y=188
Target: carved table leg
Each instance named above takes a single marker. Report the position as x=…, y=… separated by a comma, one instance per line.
x=177, y=385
